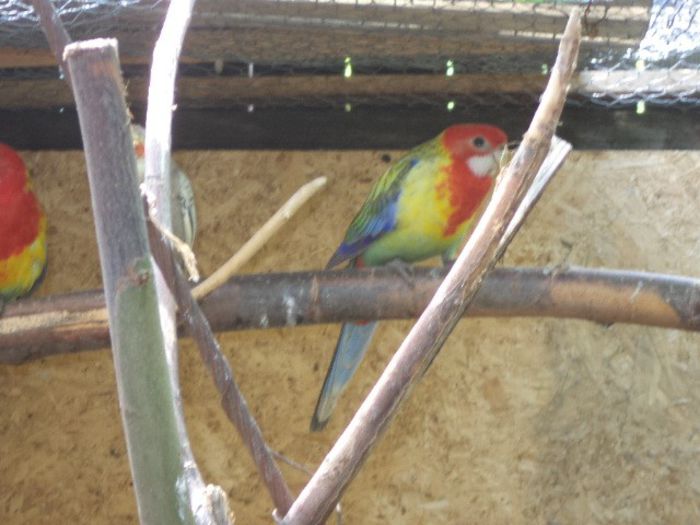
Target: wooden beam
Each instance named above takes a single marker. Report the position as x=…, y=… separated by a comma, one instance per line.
x=230, y=91
x=370, y=127
x=15, y=58
x=672, y=82
x=222, y=92
x=477, y=17
x=213, y=92
x=618, y=19
x=316, y=33
x=314, y=47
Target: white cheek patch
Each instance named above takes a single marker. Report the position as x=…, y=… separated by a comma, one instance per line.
x=482, y=165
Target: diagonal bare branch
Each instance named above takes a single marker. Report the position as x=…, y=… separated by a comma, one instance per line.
x=232, y=401
x=259, y=238
x=321, y=494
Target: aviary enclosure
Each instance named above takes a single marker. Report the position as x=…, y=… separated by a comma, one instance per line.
x=566, y=394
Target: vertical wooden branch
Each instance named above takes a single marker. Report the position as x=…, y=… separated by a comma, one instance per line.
x=145, y=393
x=207, y=503
x=159, y=115
x=211, y=501
x=158, y=187
x=422, y=344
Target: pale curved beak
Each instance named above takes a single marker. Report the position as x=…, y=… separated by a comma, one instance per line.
x=501, y=156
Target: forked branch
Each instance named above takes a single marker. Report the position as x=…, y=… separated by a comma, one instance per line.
x=422, y=344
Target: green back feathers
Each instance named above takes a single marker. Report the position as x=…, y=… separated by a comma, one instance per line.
x=386, y=192
x=378, y=214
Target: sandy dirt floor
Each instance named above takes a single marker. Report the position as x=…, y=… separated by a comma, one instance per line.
x=517, y=421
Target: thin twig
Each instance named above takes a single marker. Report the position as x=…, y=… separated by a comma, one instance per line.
x=55, y=32
x=38, y=327
x=181, y=247
x=558, y=152
x=320, y=495
x=294, y=464
x=232, y=400
x=260, y=238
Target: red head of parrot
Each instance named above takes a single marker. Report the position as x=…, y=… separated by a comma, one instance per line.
x=22, y=228
x=474, y=150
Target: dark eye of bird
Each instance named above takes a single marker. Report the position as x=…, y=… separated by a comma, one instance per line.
x=479, y=142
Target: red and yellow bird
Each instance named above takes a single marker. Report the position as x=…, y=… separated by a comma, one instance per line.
x=424, y=205
x=22, y=229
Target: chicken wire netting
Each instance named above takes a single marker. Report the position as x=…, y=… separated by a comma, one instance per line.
x=397, y=51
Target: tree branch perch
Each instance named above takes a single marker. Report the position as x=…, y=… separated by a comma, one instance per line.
x=35, y=328
x=411, y=360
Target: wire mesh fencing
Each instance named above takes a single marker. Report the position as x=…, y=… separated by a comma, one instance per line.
x=321, y=53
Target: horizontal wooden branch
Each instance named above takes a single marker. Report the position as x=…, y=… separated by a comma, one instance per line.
x=35, y=328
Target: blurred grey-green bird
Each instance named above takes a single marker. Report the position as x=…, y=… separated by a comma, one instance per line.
x=183, y=209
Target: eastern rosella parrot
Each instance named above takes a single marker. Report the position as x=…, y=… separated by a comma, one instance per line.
x=423, y=206
x=184, y=212
x=22, y=229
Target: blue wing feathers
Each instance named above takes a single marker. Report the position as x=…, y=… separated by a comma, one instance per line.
x=366, y=229
x=352, y=345
x=377, y=217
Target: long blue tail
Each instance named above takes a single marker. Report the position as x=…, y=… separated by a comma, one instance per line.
x=352, y=345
